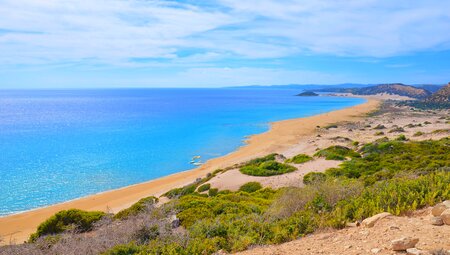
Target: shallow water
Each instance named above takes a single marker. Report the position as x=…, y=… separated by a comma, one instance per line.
x=60, y=145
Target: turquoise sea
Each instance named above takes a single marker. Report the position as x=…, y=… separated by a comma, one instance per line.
x=58, y=145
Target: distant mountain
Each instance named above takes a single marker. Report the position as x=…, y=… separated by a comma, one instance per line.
x=393, y=89
x=305, y=87
x=438, y=100
x=430, y=87
x=442, y=96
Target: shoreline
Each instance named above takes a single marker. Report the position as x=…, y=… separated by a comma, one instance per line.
x=16, y=228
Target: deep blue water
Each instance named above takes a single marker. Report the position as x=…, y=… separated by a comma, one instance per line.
x=60, y=145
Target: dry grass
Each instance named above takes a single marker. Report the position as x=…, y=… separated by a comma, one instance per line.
x=106, y=234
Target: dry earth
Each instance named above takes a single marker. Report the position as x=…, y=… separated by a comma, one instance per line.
x=362, y=240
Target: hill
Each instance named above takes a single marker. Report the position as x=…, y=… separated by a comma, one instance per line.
x=438, y=100
x=393, y=89
x=442, y=96
x=396, y=89
x=308, y=94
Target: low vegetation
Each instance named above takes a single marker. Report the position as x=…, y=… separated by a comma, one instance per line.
x=139, y=207
x=418, y=133
x=204, y=187
x=250, y=187
x=313, y=178
x=73, y=220
x=393, y=176
x=266, y=166
x=337, y=152
x=298, y=159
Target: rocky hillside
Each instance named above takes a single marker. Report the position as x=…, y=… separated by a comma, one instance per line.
x=394, y=89
x=442, y=96
x=438, y=100
x=419, y=233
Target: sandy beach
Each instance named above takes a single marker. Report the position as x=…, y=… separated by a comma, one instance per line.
x=283, y=136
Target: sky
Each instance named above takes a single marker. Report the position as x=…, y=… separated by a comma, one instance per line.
x=186, y=43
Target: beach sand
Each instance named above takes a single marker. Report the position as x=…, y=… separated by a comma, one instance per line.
x=282, y=136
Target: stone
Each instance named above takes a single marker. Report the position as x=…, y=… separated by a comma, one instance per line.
x=375, y=250
x=446, y=203
x=437, y=221
x=404, y=243
x=445, y=216
x=370, y=222
x=415, y=251
x=393, y=227
x=438, y=209
x=174, y=221
x=280, y=158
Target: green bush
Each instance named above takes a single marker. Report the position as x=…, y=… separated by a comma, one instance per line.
x=384, y=159
x=138, y=207
x=179, y=192
x=267, y=168
x=250, y=187
x=298, y=159
x=401, y=138
x=337, y=152
x=213, y=192
x=270, y=157
x=418, y=133
x=124, y=249
x=72, y=219
x=314, y=177
x=204, y=187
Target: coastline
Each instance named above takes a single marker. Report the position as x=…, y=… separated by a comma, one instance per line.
x=283, y=134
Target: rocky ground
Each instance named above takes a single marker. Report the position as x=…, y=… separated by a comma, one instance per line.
x=378, y=239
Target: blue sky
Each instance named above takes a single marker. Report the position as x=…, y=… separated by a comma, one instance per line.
x=144, y=43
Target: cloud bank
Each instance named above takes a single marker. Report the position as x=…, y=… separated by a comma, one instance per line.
x=140, y=32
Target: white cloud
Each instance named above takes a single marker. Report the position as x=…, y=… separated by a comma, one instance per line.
x=113, y=31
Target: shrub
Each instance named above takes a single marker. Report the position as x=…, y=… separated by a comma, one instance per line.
x=383, y=159
x=73, y=219
x=250, y=187
x=401, y=138
x=270, y=157
x=379, y=133
x=204, y=187
x=124, y=249
x=179, y=192
x=213, y=192
x=314, y=177
x=331, y=126
x=379, y=126
x=298, y=159
x=440, y=131
x=397, y=130
x=138, y=207
x=266, y=168
x=418, y=133
x=337, y=152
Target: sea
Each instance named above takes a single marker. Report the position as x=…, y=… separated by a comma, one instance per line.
x=58, y=145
